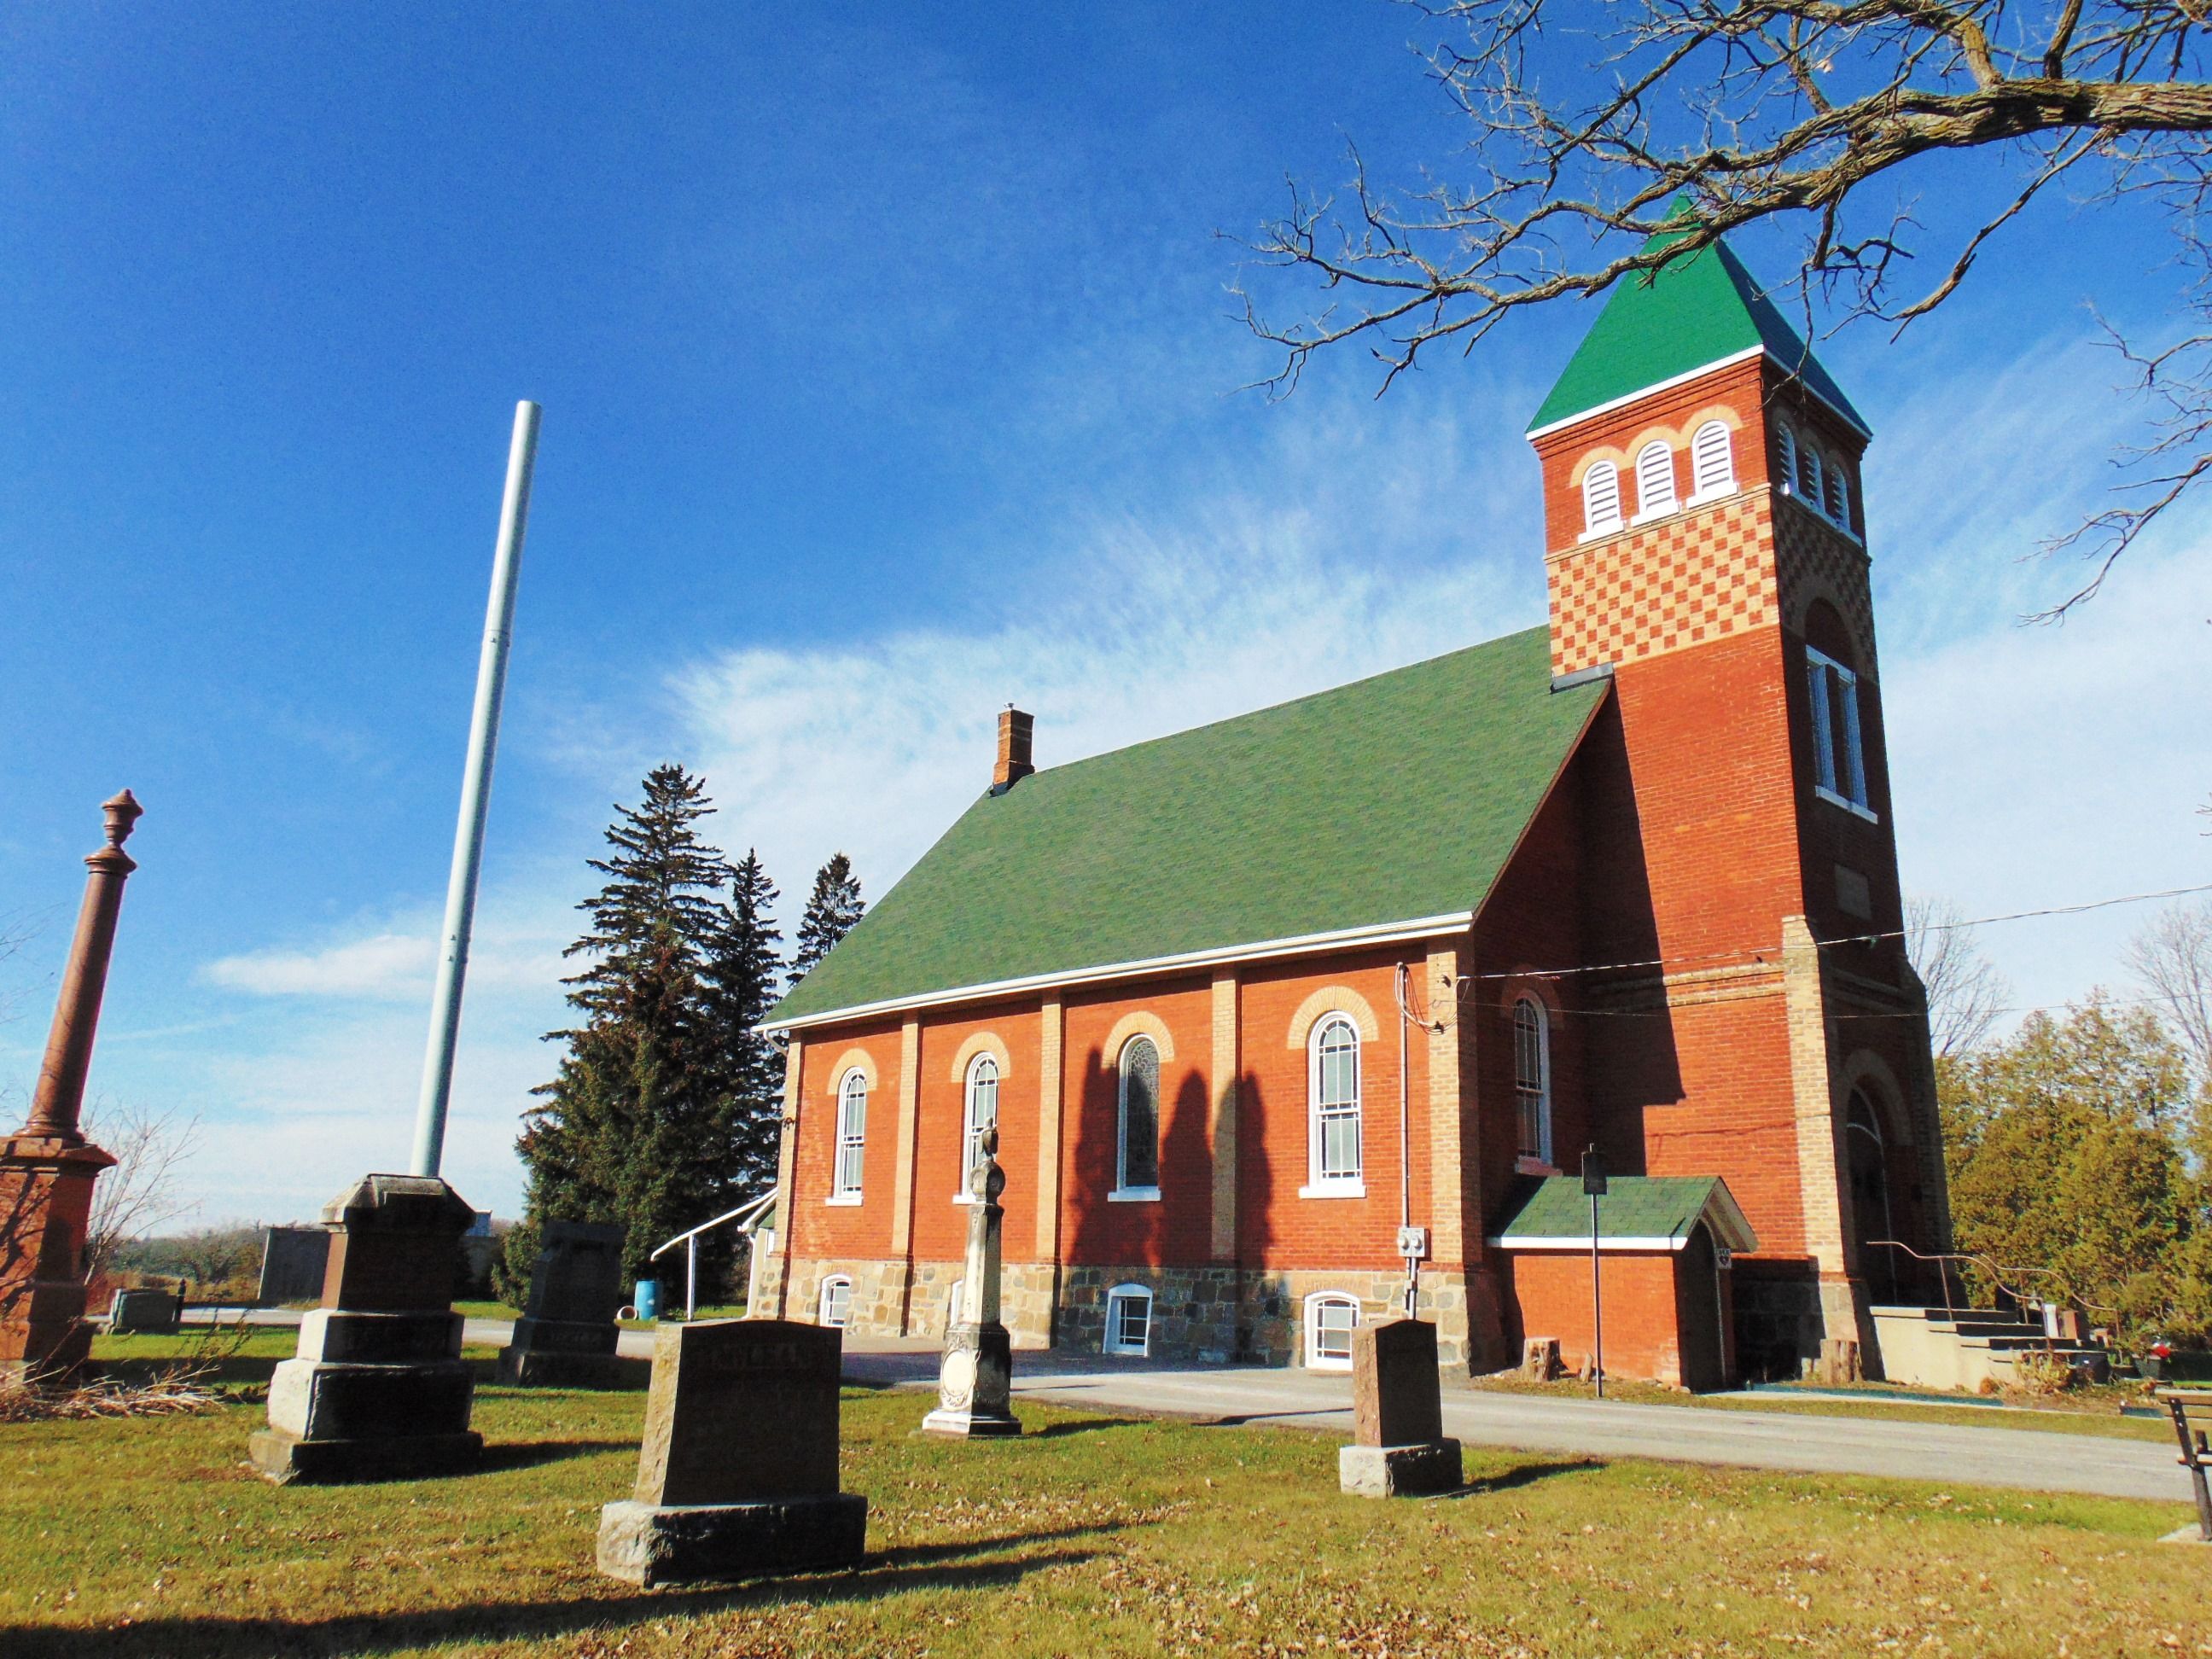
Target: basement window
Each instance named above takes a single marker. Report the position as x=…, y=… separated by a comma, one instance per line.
x=836, y=1299
x=1129, y=1319
x=1331, y=1318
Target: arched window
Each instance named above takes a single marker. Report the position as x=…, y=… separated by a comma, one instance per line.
x=1654, y=480
x=852, y=1133
x=1808, y=475
x=1137, y=1166
x=1600, y=499
x=1785, y=450
x=1129, y=1319
x=836, y=1299
x=1332, y=1093
x=983, y=1112
x=1532, y=1076
x=1838, y=754
x=1331, y=1318
x=1712, y=461
x=1839, y=499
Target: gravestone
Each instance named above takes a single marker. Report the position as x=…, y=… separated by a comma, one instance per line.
x=154, y=1312
x=1399, y=1449
x=378, y=1389
x=975, y=1379
x=293, y=1261
x=737, y=1476
x=567, y=1335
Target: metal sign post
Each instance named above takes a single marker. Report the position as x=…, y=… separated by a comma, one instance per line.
x=1593, y=1184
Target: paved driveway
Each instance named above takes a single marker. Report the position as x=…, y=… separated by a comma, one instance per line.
x=1969, y=1453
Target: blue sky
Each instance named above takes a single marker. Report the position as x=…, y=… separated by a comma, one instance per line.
x=890, y=374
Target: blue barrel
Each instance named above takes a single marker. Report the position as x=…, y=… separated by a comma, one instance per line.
x=646, y=1298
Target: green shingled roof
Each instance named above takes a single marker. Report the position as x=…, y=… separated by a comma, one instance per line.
x=1391, y=799
x=1659, y=1209
x=1685, y=316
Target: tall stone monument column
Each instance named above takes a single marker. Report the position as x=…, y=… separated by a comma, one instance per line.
x=975, y=1383
x=47, y=1167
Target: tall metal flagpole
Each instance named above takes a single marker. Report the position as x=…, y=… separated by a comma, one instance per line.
x=475, y=797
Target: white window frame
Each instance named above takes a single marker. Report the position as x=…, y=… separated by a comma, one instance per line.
x=1600, y=510
x=1115, y=1340
x=1316, y=1360
x=1655, y=482
x=1341, y=1183
x=1785, y=442
x=849, y=1140
x=822, y=1300
x=1542, y=1093
x=1123, y=1192
x=1839, y=766
x=1712, y=463
x=971, y=1128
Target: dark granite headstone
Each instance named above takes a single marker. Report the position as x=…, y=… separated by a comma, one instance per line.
x=152, y=1312
x=737, y=1475
x=566, y=1337
x=293, y=1261
x=378, y=1389
x=1398, y=1448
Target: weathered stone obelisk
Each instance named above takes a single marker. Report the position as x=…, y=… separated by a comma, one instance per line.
x=47, y=1167
x=975, y=1387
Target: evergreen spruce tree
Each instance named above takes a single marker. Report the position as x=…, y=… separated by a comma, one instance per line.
x=742, y=975
x=634, y=1127
x=831, y=909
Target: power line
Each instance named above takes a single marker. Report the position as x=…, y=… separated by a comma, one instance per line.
x=1757, y=952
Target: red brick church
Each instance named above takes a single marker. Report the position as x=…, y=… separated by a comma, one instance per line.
x=1247, y=1002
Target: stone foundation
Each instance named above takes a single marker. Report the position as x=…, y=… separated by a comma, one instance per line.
x=1785, y=1310
x=1211, y=1314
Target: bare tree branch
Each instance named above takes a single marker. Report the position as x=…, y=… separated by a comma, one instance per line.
x=1699, y=118
x=1966, y=992
x=139, y=1193
x=2172, y=957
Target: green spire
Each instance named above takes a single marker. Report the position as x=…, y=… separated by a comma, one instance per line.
x=1690, y=314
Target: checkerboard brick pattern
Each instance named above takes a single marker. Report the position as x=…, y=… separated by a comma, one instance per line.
x=1700, y=575
x=1818, y=562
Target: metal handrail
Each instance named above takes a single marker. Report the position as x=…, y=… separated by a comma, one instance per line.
x=690, y=1241
x=1997, y=1274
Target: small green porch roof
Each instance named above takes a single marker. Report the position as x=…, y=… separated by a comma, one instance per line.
x=1392, y=802
x=1673, y=321
x=1637, y=1212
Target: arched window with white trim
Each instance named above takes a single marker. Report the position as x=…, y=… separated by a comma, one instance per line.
x=1129, y=1319
x=851, y=1134
x=1137, y=1156
x=1713, y=462
x=1654, y=480
x=1331, y=1318
x=836, y=1303
x=1532, y=1076
x=982, y=1113
x=1600, y=499
x=1785, y=454
x=1808, y=475
x=1332, y=1095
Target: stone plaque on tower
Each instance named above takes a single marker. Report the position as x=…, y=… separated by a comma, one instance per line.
x=1399, y=1449
x=975, y=1381
x=737, y=1476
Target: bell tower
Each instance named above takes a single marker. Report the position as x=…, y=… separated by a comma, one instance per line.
x=1706, y=548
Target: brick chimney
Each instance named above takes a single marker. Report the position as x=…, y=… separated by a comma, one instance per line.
x=1014, y=763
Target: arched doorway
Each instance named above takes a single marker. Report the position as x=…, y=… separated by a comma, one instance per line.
x=1871, y=1215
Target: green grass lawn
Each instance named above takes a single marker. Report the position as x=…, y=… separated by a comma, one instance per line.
x=1090, y=1535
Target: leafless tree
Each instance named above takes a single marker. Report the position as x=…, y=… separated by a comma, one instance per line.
x=2172, y=957
x=139, y=1195
x=1702, y=117
x=1966, y=991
